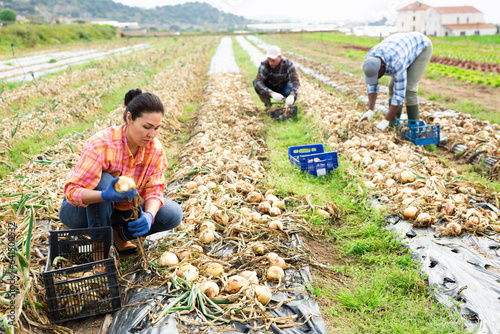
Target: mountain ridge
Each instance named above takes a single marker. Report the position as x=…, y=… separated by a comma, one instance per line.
x=193, y=15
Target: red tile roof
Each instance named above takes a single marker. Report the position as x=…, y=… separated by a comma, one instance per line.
x=414, y=6
x=458, y=9
x=469, y=26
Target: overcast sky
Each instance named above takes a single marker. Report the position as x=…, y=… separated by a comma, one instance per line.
x=324, y=10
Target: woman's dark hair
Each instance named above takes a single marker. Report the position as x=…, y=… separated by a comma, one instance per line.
x=138, y=103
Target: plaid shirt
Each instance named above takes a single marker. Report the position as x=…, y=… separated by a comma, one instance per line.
x=398, y=52
x=278, y=77
x=107, y=151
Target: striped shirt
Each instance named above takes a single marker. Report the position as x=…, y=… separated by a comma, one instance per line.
x=398, y=52
x=108, y=151
x=278, y=77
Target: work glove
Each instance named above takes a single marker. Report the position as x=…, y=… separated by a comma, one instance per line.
x=142, y=225
x=290, y=99
x=367, y=115
x=111, y=195
x=382, y=125
x=277, y=96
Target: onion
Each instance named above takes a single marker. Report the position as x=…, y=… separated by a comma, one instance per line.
x=408, y=201
x=448, y=208
x=390, y=182
x=265, y=218
x=211, y=185
x=356, y=158
x=271, y=198
x=271, y=256
x=453, y=228
x=380, y=163
x=180, y=227
x=220, y=217
x=210, y=289
x=235, y=283
x=323, y=213
x=378, y=178
x=124, y=184
x=424, y=219
x=191, y=185
x=254, y=197
x=276, y=225
x=196, y=248
x=215, y=269
x=264, y=207
x=188, y=272
x=203, y=188
x=258, y=249
x=279, y=204
x=274, y=211
x=460, y=198
x=371, y=169
x=246, y=212
x=263, y=294
x=251, y=276
x=183, y=254
x=168, y=259
x=275, y=273
x=369, y=184
x=278, y=261
x=402, y=157
x=366, y=161
x=207, y=236
x=207, y=225
x=410, y=212
x=407, y=176
x=256, y=217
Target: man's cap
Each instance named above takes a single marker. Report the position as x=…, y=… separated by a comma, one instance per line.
x=273, y=52
x=371, y=66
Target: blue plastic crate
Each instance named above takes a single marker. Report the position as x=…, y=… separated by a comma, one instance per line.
x=313, y=159
x=418, y=132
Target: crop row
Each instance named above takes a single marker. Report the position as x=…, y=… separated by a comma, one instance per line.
x=470, y=76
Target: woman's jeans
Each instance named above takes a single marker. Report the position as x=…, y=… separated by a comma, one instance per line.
x=104, y=214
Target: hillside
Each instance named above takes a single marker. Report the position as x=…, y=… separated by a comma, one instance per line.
x=184, y=16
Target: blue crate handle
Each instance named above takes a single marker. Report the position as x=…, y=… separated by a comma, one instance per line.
x=305, y=149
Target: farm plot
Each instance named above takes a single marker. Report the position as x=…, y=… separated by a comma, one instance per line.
x=476, y=141
x=419, y=191
x=31, y=68
x=36, y=188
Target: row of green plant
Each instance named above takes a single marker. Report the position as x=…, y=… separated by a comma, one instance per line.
x=470, y=76
x=25, y=36
x=381, y=289
x=463, y=47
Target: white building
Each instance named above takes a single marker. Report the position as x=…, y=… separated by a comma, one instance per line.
x=443, y=21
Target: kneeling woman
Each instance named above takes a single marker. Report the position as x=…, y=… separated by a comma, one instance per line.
x=132, y=150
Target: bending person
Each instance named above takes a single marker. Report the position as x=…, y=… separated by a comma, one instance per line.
x=276, y=78
x=403, y=56
x=131, y=149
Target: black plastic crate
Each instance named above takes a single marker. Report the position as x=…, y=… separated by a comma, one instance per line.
x=85, y=282
x=284, y=113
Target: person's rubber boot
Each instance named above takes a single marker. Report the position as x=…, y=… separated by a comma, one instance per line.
x=394, y=120
x=413, y=112
x=266, y=100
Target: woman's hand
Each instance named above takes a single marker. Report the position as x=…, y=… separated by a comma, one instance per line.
x=142, y=225
x=111, y=195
